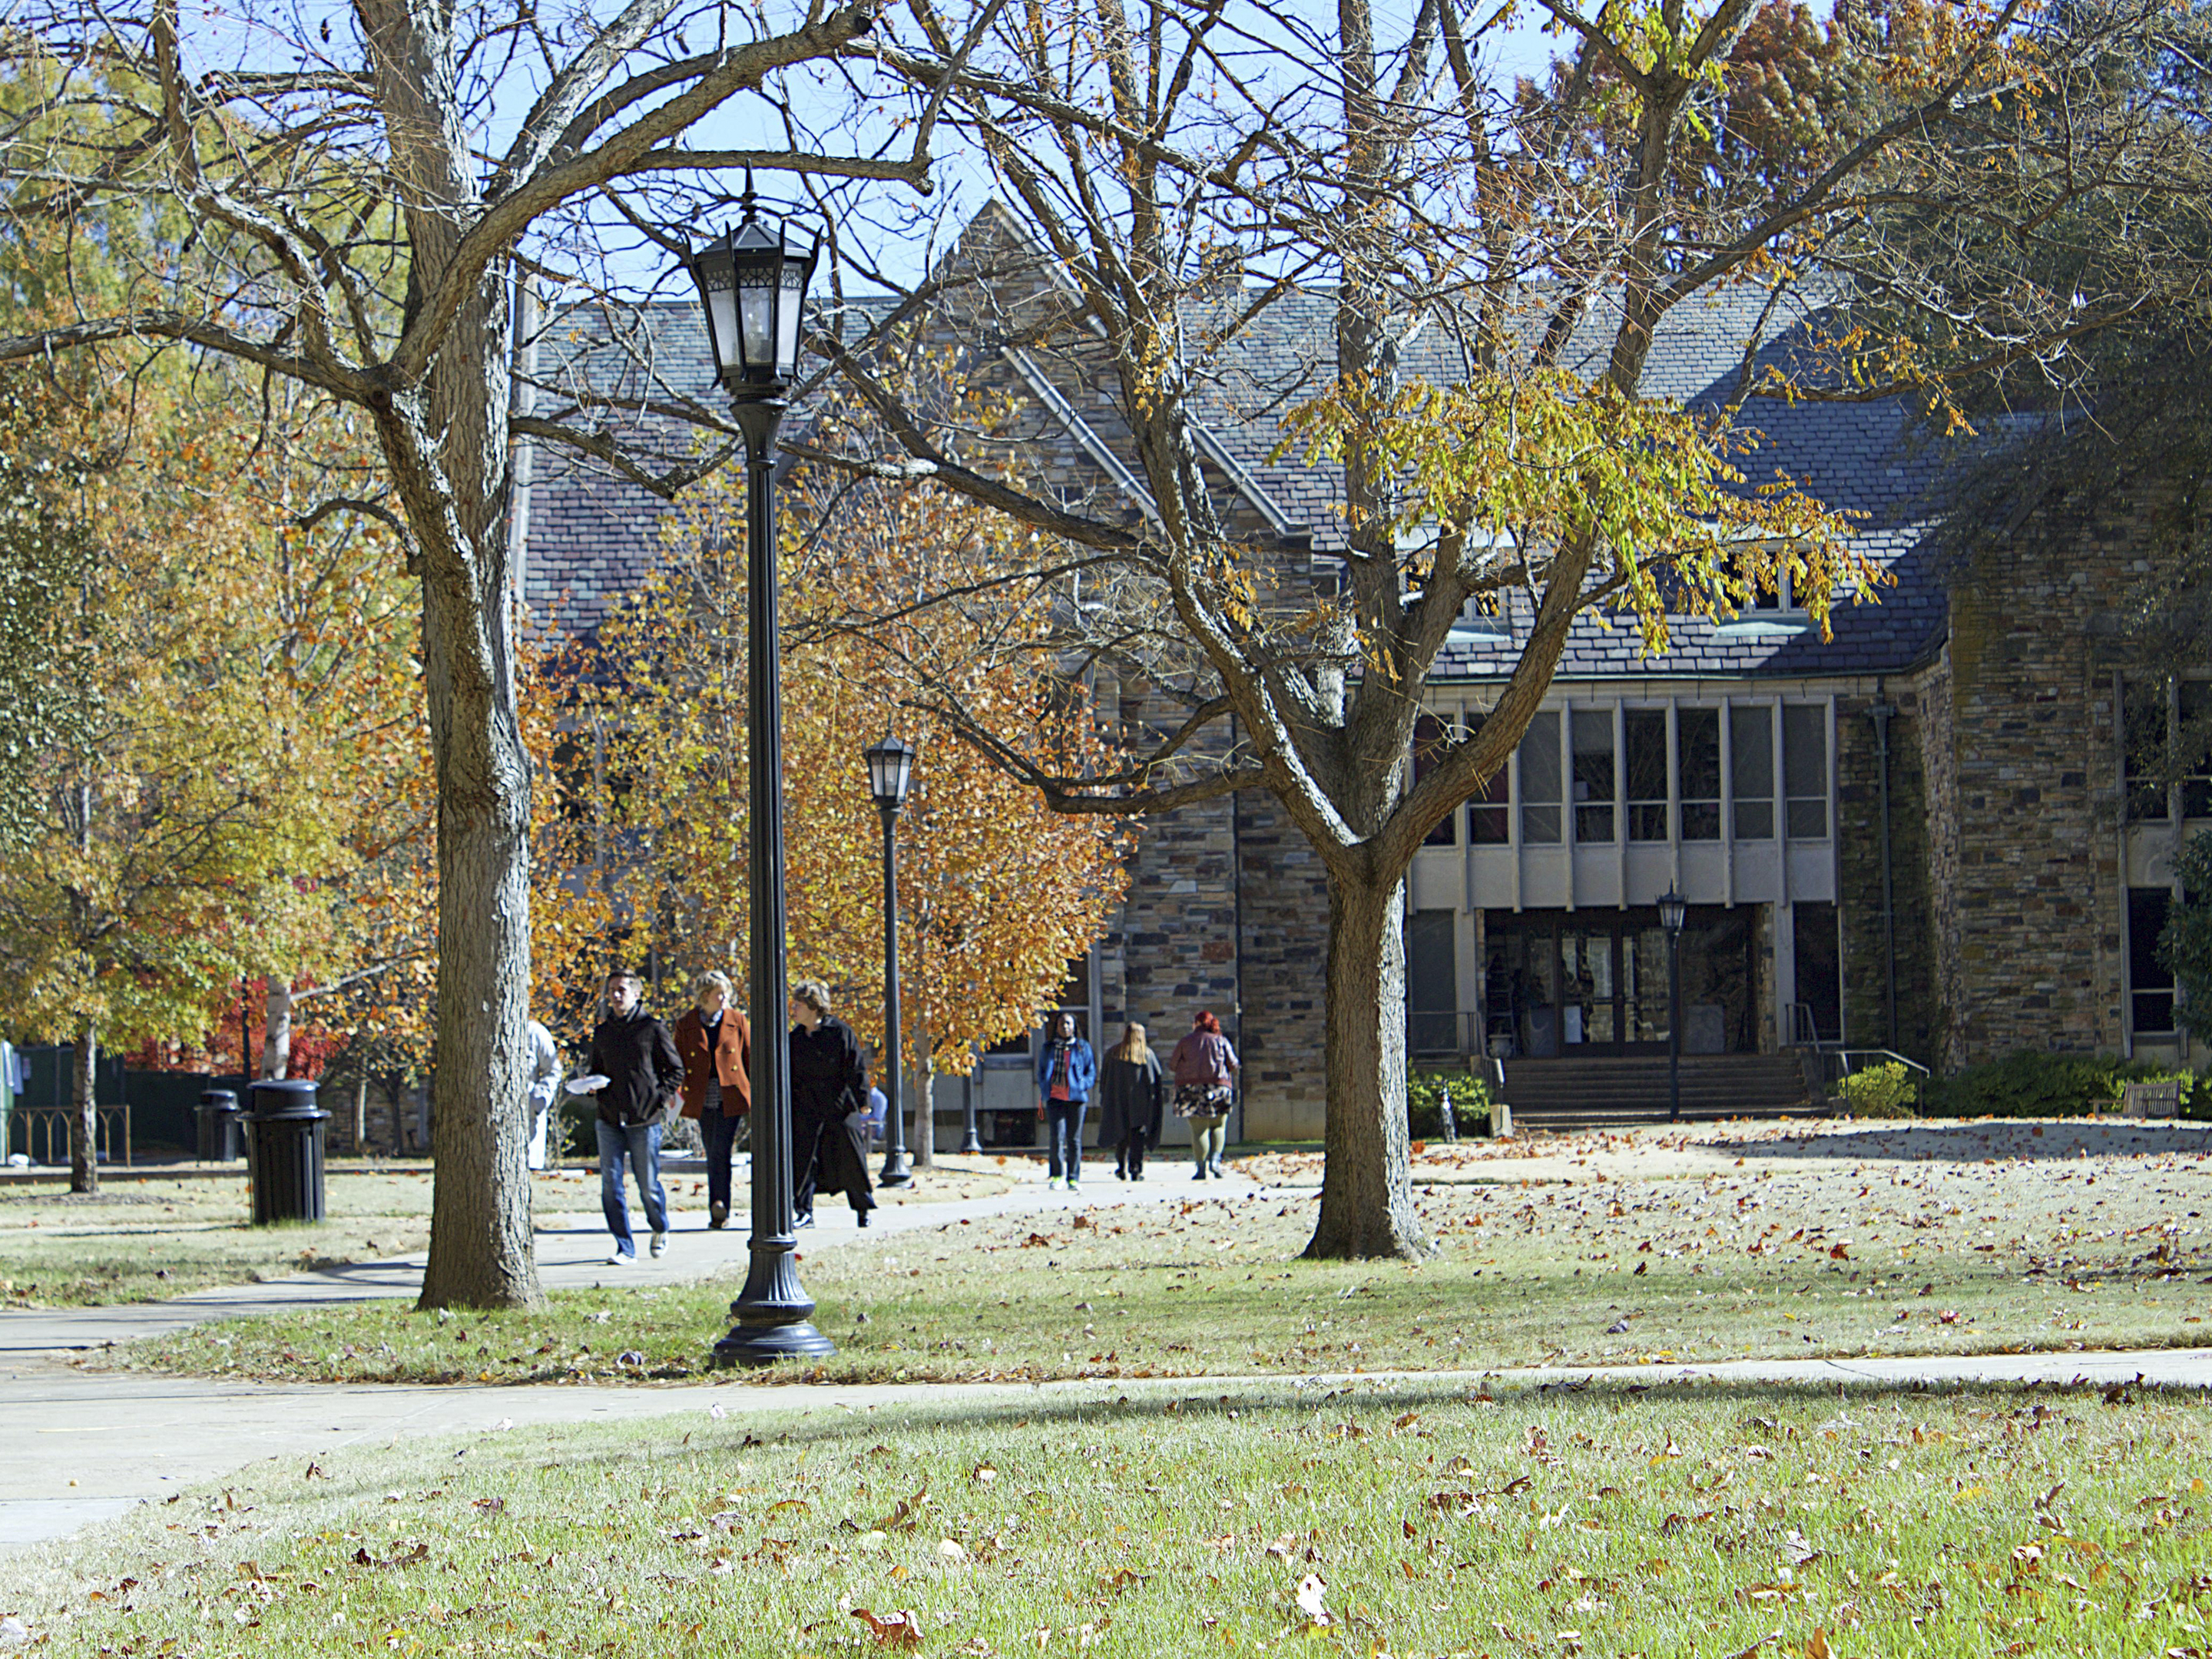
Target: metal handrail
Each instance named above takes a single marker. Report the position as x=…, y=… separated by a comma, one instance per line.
x=1802, y=1022
x=1885, y=1056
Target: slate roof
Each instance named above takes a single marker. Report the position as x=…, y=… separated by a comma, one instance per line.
x=591, y=537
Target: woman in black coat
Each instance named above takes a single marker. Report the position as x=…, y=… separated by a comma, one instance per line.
x=1135, y=1092
x=828, y=1107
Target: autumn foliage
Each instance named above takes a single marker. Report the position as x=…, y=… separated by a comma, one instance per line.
x=997, y=893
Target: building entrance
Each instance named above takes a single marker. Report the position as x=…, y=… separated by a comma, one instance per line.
x=1588, y=982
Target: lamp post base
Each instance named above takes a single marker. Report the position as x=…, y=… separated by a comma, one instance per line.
x=898, y=1169
x=763, y=1336
x=970, y=1142
x=772, y=1311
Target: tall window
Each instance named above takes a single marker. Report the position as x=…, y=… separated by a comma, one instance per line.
x=1805, y=769
x=1432, y=982
x=1485, y=813
x=2142, y=754
x=1593, y=779
x=2193, y=742
x=1750, y=770
x=1429, y=739
x=2150, y=986
x=1697, y=764
x=1540, y=781
x=1643, y=732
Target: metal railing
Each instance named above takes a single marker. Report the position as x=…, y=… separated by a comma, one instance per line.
x=1832, y=1065
x=45, y=1133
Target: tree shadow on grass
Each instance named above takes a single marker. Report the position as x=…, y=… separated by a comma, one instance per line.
x=1980, y=1140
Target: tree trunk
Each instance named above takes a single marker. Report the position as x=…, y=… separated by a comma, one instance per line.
x=481, y=1250
x=1367, y=1195
x=276, y=1028
x=360, y=1115
x=445, y=440
x=84, y=1113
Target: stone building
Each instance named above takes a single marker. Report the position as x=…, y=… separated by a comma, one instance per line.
x=1917, y=835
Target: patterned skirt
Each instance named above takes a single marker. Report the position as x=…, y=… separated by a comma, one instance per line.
x=1201, y=1100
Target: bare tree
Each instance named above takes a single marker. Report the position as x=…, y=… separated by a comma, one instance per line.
x=325, y=206
x=1477, y=275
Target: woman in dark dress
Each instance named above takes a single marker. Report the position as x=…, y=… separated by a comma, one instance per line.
x=1135, y=1091
x=828, y=1107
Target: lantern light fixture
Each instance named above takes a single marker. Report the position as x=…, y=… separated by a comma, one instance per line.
x=890, y=771
x=752, y=286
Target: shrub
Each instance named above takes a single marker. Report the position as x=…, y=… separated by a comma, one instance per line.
x=1425, y=1113
x=2031, y=1084
x=1884, y=1091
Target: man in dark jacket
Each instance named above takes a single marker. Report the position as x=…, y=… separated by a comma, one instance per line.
x=644, y=1081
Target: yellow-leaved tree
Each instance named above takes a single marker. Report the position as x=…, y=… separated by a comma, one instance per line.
x=997, y=892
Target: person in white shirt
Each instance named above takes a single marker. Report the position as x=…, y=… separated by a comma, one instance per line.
x=545, y=1091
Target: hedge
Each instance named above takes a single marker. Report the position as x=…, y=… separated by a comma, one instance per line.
x=2031, y=1084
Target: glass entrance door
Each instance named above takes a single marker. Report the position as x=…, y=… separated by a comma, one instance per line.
x=1590, y=988
x=1584, y=983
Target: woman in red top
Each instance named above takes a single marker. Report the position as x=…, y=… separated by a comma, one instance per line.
x=716, y=1044
x=1205, y=1068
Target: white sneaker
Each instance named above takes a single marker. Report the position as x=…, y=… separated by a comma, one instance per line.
x=616, y=1259
x=1053, y=1184
x=660, y=1243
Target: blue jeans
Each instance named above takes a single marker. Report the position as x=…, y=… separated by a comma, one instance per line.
x=641, y=1143
x=720, y=1132
x=1064, y=1123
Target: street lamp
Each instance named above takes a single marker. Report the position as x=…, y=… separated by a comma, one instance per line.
x=752, y=283
x=890, y=771
x=1674, y=911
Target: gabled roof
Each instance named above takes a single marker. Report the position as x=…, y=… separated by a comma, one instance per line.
x=591, y=538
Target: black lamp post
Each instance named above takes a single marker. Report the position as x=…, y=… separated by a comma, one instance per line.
x=752, y=282
x=890, y=771
x=970, y=1140
x=1674, y=911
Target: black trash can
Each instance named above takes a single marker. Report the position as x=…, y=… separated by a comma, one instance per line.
x=285, y=1151
x=222, y=1136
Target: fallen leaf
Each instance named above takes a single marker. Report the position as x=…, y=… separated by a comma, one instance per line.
x=893, y=1630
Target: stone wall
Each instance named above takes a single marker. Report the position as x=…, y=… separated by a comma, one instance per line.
x=1227, y=904
x=1286, y=950
x=2029, y=884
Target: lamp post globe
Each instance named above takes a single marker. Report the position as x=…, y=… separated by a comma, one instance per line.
x=890, y=774
x=752, y=285
x=1674, y=911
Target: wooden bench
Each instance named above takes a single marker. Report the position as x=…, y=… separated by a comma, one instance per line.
x=2151, y=1099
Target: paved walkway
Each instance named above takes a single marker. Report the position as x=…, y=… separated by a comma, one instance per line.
x=572, y=1255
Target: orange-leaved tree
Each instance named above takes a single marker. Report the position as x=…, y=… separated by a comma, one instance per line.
x=997, y=893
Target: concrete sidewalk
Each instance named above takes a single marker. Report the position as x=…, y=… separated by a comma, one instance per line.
x=84, y=1448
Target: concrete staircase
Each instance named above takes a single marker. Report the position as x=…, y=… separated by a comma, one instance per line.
x=1601, y=1093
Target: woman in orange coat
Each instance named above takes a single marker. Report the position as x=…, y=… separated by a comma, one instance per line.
x=717, y=1047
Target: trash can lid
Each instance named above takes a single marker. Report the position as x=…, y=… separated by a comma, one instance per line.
x=221, y=1098
x=284, y=1096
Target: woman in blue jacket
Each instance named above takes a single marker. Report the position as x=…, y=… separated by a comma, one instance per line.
x=1066, y=1074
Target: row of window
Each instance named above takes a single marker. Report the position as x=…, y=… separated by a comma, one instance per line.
x=1589, y=773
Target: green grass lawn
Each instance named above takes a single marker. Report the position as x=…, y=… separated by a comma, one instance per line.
x=139, y=1241
x=1934, y=1259
x=1705, y=1521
